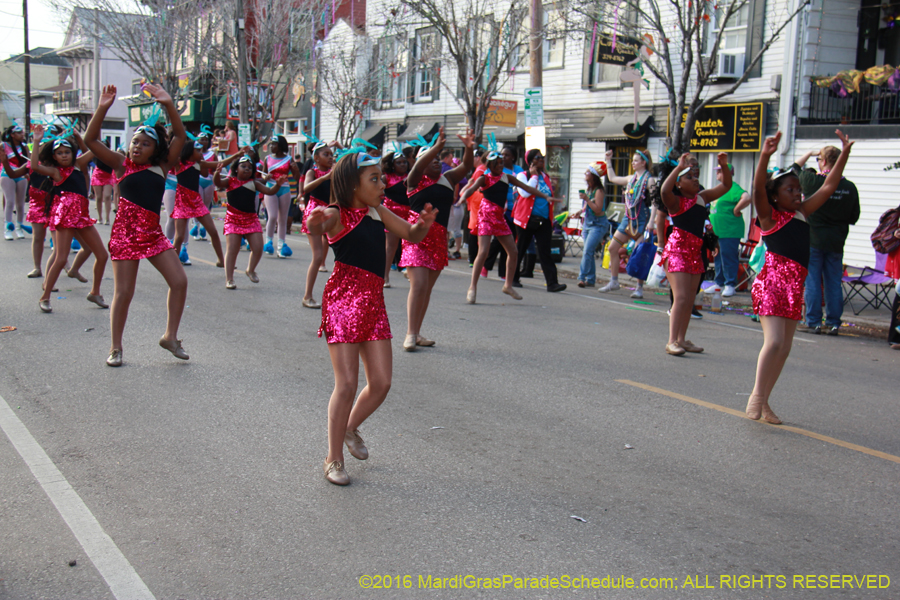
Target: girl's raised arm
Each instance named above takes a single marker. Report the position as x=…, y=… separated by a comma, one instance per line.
x=92, y=135
x=760, y=198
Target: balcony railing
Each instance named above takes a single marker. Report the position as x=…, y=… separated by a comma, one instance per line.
x=73, y=100
x=872, y=105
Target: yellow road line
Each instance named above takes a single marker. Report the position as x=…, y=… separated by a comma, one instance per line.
x=737, y=413
x=205, y=262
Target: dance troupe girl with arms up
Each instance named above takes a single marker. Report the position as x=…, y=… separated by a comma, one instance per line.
x=241, y=219
x=778, y=289
x=136, y=234
x=424, y=261
x=317, y=188
x=494, y=185
x=354, y=318
x=686, y=204
x=69, y=210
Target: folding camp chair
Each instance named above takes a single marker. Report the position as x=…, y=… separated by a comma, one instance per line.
x=574, y=239
x=870, y=285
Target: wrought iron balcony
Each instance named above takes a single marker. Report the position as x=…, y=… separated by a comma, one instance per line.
x=872, y=105
x=73, y=101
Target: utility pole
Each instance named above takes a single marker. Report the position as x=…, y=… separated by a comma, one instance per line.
x=27, y=72
x=536, y=13
x=242, y=60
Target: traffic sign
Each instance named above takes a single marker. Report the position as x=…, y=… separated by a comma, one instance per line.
x=534, y=107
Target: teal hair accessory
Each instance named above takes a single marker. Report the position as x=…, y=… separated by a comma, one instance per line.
x=155, y=114
x=398, y=150
x=362, y=142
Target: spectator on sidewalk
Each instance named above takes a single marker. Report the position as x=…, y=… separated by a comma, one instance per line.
x=595, y=225
x=728, y=225
x=828, y=229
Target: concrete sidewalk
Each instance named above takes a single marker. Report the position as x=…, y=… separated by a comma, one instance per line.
x=869, y=323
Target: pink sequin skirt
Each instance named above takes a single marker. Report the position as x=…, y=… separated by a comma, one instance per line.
x=431, y=252
x=136, y=233
x=683, y=253
x=398, y=209
x=99, y=177
x=491, y=221
x=37, y=212
x=778, y=288
x=239, y=222
x=313, y=202
x=353, y=308
x=70, y=211
x=188, y=204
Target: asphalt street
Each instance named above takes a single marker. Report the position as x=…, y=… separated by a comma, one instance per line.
x=204, y=478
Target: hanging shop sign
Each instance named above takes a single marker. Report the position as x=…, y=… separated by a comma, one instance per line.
x=502, y=113
x=261, y=97
x=728, y=128
x=625, y=51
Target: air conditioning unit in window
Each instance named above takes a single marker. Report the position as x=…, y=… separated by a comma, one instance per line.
x=729, y=66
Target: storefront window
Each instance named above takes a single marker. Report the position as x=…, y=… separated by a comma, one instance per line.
x=557, y=167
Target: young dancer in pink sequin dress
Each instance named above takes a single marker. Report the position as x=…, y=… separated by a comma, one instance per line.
x=778, y=288
x=354, y=319
x=682, y=255
x=136, y=233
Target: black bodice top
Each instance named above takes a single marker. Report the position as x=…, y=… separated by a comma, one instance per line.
x=363, y=246
x=144, y=188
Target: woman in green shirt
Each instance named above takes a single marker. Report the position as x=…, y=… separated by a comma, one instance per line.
x=728, y=225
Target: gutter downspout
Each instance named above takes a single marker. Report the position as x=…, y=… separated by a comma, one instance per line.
x=789, y=69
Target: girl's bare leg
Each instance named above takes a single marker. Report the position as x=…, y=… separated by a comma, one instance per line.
x=324, y=254
x=484, y=242
x=170, y=268
x=682, y=305
x=98, y=201
x=316, y=242
x=37, y=245
x=512, y=258
x=686, y=318
x=255, y=241
x=180, y=232
x=95, y=244
x=778, y=336
x=391, y=242
x=124, y=277
x=63, y=240
x=207, y=221
x=419, y=296
x=107, y=201
x=378, y=360
x=345, y=361
x=232, y=248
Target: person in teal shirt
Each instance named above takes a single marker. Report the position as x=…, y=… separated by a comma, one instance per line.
x=728, y=225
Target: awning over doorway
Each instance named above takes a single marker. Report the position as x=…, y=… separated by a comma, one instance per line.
x=374, y=134
x=424, y=126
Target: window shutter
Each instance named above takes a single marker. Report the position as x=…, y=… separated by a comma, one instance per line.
x=755, y=37
x=586, y=64
x=412, y=67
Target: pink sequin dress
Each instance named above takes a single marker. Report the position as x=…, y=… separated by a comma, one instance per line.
x=432, y=252
x=353, y=308
x=395, y=198
x=241, y=216
x=102, y=174
x=188, y=202
x=37, y=208
x=684, y=247
x=321, y=196
x=136, y=233
x=71, y=207
x=778, y=288
x=493, y=203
